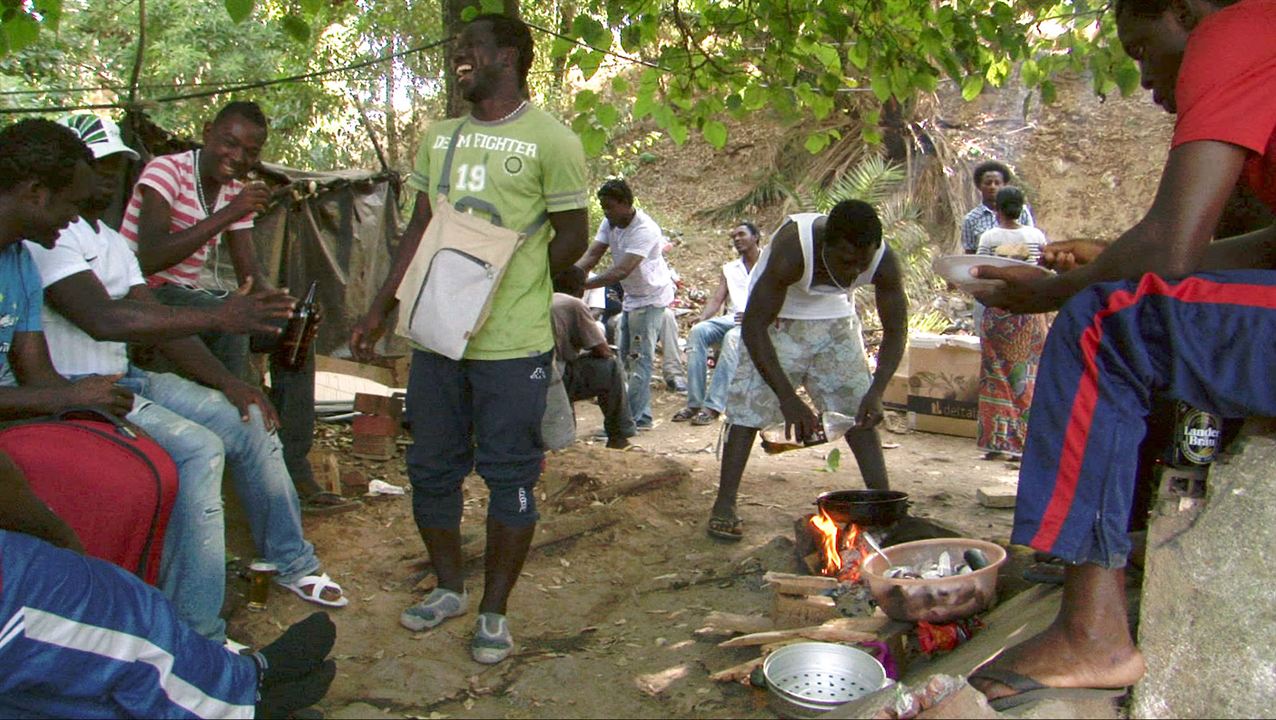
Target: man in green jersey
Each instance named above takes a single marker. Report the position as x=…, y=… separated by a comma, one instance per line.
x=483, y=412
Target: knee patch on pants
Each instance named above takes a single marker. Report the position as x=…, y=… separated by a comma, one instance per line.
x=513, y=505
x=436, y=504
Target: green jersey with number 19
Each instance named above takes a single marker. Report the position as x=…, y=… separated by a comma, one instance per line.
x=524, y=166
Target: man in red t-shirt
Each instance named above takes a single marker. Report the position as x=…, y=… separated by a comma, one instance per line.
x=1162, y=310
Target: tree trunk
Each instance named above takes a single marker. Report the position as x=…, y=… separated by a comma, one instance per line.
x=568, y=16
x=391, y=117
x=456, y=105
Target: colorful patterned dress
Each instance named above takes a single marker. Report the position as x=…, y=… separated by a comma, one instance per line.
x=1011, y=346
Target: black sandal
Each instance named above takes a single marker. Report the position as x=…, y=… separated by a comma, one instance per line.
x=685, y=414
x=726, y=528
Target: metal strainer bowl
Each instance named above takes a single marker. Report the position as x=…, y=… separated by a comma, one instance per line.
x=813, y=677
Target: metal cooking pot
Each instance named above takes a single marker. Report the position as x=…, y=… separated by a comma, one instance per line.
x=864, y=507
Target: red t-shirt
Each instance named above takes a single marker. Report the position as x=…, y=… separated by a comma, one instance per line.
x=1227, y=88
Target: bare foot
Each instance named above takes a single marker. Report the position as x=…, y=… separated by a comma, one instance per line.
x=1087, y=646
x=1057, y=660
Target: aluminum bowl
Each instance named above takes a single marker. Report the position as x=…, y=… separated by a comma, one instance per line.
x=810, y=678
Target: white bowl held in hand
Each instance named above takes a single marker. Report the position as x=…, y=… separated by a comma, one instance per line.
x=956, y=270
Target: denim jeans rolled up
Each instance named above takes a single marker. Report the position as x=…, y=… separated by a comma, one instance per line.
x=203, y=433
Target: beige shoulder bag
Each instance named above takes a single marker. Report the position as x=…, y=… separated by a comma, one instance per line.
x=447, y=292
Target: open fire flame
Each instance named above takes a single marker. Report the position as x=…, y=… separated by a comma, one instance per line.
x=842, y=550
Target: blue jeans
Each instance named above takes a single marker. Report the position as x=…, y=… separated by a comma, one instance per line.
x=718, y=331
x=203, y=433
x=639, y=331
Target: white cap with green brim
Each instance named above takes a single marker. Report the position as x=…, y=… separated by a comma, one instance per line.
x=100, y=134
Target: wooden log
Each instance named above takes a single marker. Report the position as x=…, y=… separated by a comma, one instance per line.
x=797, y=611
x=721, y=623
x=673, y=473
x=391, y=372
x=838, y=630
x=738, y=673
x=791, y=584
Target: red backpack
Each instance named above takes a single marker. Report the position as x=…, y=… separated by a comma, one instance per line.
x=111, y=483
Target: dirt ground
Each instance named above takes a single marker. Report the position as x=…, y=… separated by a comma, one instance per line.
x=594, y=613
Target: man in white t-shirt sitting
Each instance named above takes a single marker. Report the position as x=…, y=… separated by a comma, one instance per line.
x=721, y=331
x=638, y=264
x=96, y=300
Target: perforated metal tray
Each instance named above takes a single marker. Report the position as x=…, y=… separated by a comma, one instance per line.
x=819, y=675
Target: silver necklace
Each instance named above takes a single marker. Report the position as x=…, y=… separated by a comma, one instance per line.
x=825, y=262
x=199, y=184
x=511, y=113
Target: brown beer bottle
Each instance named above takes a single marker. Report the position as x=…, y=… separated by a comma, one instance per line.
x=294, y=343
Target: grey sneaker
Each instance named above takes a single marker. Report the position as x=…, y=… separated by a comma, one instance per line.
x=438, y=606
x=492, y=641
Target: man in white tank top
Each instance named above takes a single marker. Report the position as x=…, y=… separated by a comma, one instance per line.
x=800, y=328
x=722, y=331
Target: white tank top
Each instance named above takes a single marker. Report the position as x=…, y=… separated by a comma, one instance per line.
x=822, y=302
x=737, y=276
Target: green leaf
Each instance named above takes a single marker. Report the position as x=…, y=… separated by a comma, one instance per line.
x=1128, y=78
x=971, y=87
x=311, y=7
x=881, y=86
x=21, y=32
x=468, y=13
x=620, y=85
x=827, y=55
x=871, y=135
x=754, y=97
x=715, y=133
x=585, y=99
x=1048, y=92
x=678, y=131
x=833, y=461
x=239, y=10
x=607, y=115
x=297, y=29
x=594, y=140
x=815, y=142
x=644, y=105
x=858, y=54
x=1030, y=73
x=492, y=6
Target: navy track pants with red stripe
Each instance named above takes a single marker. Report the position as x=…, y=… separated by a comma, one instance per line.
x=1208, y=339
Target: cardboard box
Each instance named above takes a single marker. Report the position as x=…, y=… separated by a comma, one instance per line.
x=896, y=395
x=943, y=383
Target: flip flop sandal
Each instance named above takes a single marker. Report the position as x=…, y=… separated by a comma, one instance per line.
x=310, y=588
x=328, y=503
x=705, y=417
x=725, y=528
x=685, y=414
x=1028, y=690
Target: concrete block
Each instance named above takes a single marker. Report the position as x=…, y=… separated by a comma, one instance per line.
x=375, y=425
x=997, y=496
x=1206, y=614
x=384, y=405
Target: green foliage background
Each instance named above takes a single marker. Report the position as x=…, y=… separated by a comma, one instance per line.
x=684, y=64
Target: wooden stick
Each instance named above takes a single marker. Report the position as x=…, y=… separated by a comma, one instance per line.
x=837, y=630
x=721, y=623
x=790, y=584
x=737, y=673
x=672, y=473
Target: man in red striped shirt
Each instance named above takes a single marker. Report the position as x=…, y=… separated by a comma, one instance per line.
x=186, y=209
x=1163, y=310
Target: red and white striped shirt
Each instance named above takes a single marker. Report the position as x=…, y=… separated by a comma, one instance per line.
x=173, y=177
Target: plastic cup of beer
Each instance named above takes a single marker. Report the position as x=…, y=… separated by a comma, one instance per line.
x=259, y=576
